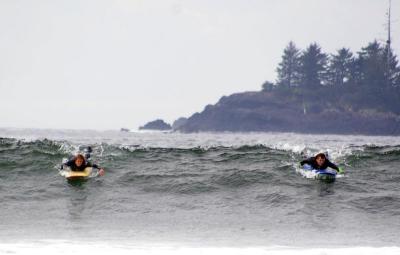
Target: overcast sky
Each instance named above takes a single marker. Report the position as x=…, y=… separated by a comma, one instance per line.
x=97, y=64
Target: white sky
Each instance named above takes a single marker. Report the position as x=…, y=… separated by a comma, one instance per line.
x=107, y=64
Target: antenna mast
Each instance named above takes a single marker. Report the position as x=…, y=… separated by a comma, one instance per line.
x=388, y=42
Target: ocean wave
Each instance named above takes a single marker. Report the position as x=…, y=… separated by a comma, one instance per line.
x=53, y=149
x=248, y=189
x=378, y=204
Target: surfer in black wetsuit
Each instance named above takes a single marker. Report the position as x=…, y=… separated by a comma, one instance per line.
x=79, y=163
x=320, y=162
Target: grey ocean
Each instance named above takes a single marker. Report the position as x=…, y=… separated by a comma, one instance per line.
x=196, y=190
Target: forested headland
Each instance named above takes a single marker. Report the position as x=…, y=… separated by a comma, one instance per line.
x=343, y=92
x=368, y=79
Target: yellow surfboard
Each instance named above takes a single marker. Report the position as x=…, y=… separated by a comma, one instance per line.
x=77, y=175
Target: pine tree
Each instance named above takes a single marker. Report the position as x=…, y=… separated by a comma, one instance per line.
x=267, y=86
x=340, y=67
x=372, y=65
x=392, y=70
x=313, y=67
x=289, y=66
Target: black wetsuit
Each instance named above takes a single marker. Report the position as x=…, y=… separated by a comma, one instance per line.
x=312, y=162
x=74, y=167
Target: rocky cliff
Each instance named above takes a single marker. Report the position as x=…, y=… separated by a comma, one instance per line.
x=288, y=112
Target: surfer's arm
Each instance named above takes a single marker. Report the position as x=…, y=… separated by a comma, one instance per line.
x=306, y=161
x=331, y=165
x=101, y=170
x=69, y=163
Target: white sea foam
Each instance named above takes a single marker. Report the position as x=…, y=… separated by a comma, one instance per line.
x=336, y=145
x=51, y=247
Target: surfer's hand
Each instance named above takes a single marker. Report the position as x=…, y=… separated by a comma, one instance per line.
x=101, y=171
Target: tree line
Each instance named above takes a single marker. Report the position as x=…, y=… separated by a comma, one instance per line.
x=372, y=75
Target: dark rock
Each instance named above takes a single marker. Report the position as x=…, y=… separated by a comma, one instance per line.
x=178, y=123
x=271, y=111
x=156, y=125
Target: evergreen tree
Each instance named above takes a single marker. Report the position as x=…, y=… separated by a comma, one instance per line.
x=312, y=67
x=372, y=65
x=379, y=72
x=288, y=68
x=392, y=70
x=356, y=72
x=340, y=67
x=267, y=86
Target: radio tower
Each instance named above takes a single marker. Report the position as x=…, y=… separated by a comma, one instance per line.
x=388, y=42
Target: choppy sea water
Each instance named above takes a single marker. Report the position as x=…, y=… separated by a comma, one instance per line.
x=198, y=193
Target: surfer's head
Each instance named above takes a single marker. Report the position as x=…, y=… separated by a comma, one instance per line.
x=320, y=158
x=79, y=160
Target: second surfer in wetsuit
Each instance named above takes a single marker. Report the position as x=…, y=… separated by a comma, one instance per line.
x=79, y=163
x=320, y=162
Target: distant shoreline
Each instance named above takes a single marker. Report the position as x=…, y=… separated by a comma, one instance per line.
x=172, y=132
x=315, y=93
